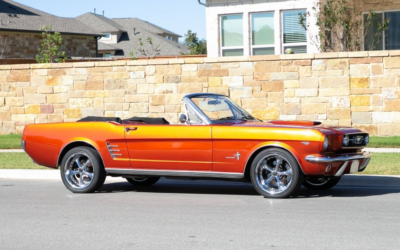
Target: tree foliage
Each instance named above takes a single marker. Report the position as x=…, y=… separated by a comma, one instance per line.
x=49, y=50
x=343, y=27
x=146, y=51
x=195, y=46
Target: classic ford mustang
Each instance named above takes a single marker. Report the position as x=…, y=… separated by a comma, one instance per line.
x=216, y=139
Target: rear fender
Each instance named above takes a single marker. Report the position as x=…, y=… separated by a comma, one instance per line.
x=77, y=142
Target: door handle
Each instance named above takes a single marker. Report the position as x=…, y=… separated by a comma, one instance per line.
x=127, y=129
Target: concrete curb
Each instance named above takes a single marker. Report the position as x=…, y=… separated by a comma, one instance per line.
x=347, y=180
x=11, y=151
x=382, y=150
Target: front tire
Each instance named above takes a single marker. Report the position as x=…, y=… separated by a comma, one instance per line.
x=316, y=183
x=82, y=170
x=275, y=173
x=143, y=181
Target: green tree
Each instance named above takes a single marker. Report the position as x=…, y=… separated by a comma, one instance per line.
x=195, y=46
x=343, y=27
x=49, y=50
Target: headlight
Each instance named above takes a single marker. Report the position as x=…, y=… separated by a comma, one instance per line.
x=366, y=139
x=346, y=140
x=326, y=143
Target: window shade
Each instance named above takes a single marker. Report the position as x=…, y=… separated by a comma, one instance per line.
x=262, y=28
x=393, y=32
x=232, y=30
x=292, y=30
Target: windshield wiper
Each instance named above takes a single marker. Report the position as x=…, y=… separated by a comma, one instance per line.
x=249, y=118
x=226, y=118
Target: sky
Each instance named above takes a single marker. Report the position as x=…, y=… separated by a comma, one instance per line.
x=177, y=16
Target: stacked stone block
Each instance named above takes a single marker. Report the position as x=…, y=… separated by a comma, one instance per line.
x=359, y=89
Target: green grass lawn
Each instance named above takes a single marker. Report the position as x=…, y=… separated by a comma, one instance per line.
x=17, y=161
x=381, y=164
x=384, y=142
x=10, y=141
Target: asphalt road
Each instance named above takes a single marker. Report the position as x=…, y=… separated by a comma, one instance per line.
x=195, y=215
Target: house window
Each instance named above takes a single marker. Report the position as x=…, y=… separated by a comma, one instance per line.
x=294, y=35
x=232, y=35
x=262, y=34
x=107, y=55
x=377, y=39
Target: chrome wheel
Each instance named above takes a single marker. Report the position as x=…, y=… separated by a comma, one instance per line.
x=274, y=174
x=78, y=171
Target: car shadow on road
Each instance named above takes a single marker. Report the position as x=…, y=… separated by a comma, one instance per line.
x=238, y=188
x=184, y=186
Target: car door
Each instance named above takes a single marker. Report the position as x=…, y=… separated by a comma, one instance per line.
x=169, y=147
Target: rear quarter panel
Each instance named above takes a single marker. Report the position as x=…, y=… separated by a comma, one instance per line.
x=44, y=142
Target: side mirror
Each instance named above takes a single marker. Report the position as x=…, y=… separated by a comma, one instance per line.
x=182, y=118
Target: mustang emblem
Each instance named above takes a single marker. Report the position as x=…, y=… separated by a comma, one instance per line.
x=237, y=156
x=359, y=139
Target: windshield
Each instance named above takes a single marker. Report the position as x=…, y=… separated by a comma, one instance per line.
x=221, y=108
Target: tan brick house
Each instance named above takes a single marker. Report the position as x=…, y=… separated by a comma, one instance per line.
x=20, y=34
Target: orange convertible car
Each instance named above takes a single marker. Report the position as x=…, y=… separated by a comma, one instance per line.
x=216, y=139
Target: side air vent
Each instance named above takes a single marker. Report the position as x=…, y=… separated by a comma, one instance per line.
x=112, y=150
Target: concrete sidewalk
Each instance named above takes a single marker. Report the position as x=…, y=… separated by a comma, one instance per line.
x=371, y=150
x=347, y=180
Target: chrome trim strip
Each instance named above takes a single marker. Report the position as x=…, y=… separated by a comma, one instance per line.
x=342, y=168
x=58, y=158
x=177, y=173
x=328, y=159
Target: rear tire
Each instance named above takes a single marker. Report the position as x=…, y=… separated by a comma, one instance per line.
x=143, y=181
x=82, y=170
x=322, y=183
x=275, y=173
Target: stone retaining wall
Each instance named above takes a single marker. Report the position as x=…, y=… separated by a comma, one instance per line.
x=358, y=89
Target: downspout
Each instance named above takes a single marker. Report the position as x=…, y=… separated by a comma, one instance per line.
x=202, y=3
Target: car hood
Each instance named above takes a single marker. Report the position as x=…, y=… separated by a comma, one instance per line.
x=299, y=125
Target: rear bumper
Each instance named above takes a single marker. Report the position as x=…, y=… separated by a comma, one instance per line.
x=345, y=159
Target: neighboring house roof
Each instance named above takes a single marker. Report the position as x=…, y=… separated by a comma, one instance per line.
x=103, y=46
x=18, y=17
x=102, y=24
x=146, y=25
x=128, y=41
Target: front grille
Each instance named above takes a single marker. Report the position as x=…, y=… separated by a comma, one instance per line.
x=356, y=140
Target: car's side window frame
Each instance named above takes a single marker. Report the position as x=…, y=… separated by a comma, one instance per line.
x=188, y=104
x=189, y=120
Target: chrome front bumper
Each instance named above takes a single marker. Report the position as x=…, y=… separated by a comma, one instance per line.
x=365, y=157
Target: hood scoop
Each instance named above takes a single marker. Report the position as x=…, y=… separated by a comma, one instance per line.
x=296, y=123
